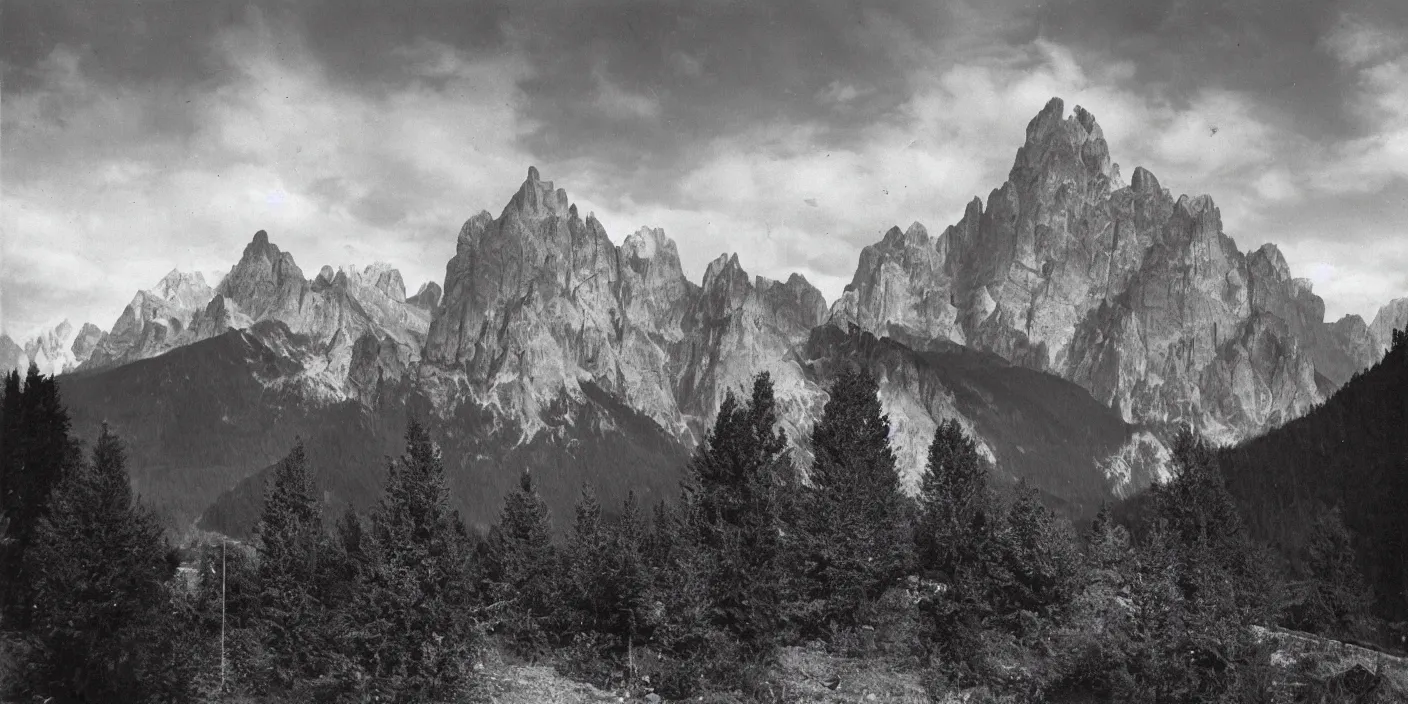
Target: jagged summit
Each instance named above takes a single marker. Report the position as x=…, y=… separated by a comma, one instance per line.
x=55, y=349
x=1392, y=316
x=537, y=199
x=1138, y=296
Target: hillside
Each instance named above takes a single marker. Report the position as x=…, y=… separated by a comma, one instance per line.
x=1351, y=452
x=1037, y=426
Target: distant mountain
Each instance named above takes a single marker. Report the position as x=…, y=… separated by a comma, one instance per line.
x=1350, y=452
x=1069, y=325
x=1133, y=294
x=550, y=350
x=55, y=351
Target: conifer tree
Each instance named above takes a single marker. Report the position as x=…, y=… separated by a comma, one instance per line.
x=291, y=558
x=523, y=566
x=858, y=535
x=679, y=580
x=586, y=564
x=740, y=479
x=37, y=452
x=1039, y=553
x=955, y=505
x=629, y=574
x=414, y=606
x=1207, y=531
x=1333, y=599
x=100, y=572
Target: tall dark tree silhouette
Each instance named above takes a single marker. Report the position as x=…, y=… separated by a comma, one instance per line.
x=740, y=481
x=413, y=613
x=523, y=567
x=100, y=571
x=956, y=508
x=1333, y=597
x=292, y=550
x=858, y=534
x=585, y=561
x=37, y=450
x=1206, y=528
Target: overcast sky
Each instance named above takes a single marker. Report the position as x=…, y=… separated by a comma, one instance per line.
x=138, y=137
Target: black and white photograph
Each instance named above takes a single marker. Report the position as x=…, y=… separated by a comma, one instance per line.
x=712, y=351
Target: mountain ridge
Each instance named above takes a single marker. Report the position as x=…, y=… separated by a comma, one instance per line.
x=1117, y=297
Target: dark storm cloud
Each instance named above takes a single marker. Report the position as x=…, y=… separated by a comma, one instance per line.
x=1271, y=49
x=165, y=40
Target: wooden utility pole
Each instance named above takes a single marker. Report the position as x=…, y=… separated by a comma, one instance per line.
x=222, y=615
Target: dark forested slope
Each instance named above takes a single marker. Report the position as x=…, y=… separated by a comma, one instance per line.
x=1351, y=452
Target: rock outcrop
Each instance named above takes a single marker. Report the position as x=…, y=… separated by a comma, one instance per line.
x=12, y=355
x=428, y=297
x=535, y=302
x=1393, y=316
x=54, y=351
x=1135, y=295
x=345, y=329
x=155, y=321
x=87, y=340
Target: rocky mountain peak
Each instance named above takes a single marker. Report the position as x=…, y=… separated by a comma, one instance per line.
x=1144, y=182
x=177, y=284
x=88, y=338
x=1063, y=146
x=1142, y=299
x=649, y=242
x=428, y=297
x=722, y=270
x=1392, y=316
x=265, y=281
x=536, y=198
x=1274, y=260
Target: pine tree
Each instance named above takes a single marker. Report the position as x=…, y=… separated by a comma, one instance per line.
x=956, y=508
x=629, y=578
x=857, y=534
x=1040, y=555
x=37, y=452
x=1206, y=528
x=1333, y=599
x=291, y=559
x=101, y=574
x=414, y=605
x=522, y=567
x=740, y=479
x=679, y=580
x=586, y=563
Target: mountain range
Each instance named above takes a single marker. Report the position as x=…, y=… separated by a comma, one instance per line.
x=1070, y=324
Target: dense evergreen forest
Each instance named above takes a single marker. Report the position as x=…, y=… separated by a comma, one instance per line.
x=1345, y=461
x=979, y=589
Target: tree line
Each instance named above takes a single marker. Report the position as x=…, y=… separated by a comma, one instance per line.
x=972, y=584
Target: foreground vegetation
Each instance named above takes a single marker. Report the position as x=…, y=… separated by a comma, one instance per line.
x=752, y=578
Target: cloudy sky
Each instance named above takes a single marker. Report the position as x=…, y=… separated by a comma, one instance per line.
x=142, y=136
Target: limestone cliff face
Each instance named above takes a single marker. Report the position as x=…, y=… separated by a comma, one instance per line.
x=1135, y=295
x=428, y=297
x=902, y=289
x=536, y=301
x=86, y=341
x=324, y=319
x=739, y=326
x=353, y=326
x=155, y=321
x=1393, y=316
x=56, y=350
